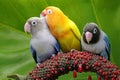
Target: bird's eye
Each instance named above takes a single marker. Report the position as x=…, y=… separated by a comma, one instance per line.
x=49, y=11
x=34, y=23
x=95, y=30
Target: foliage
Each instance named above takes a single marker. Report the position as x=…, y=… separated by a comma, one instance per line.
x=14, y=43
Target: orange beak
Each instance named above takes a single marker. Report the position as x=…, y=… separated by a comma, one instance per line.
x=43, y=13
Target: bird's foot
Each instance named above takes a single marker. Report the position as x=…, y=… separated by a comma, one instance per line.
x=59, y=53
x=53, y=55
x=73, y=50
x=38, y=64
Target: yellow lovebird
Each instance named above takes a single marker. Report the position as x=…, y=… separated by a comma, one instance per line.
x=64, y=29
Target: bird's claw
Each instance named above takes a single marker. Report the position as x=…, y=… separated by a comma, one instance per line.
x=73, y=50
x=38, y=64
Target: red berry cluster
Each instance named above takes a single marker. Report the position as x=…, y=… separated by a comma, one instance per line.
x=75, y=61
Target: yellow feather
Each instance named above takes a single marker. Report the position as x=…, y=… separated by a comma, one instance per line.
x=64, y=29
x=71, y=37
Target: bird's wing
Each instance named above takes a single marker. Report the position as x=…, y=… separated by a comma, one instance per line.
x=75, y=30
x=57, y=47
x=33, y=53
x=107, y=47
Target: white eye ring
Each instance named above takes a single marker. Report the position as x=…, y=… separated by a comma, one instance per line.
x=49, y=11
x=95, y=30
x=33, y=22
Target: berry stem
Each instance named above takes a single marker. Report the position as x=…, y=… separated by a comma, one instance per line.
x=76, y=60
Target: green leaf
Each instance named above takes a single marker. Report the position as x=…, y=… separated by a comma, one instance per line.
x=14, y=43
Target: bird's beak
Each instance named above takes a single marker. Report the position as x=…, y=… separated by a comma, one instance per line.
x=27, y=27
x=88, y=36
x=43, y=13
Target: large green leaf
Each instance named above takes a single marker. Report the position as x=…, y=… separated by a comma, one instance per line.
x=15, y=56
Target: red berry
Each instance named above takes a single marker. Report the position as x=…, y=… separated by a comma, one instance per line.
x=56, y=72
x=100, y=58
x=115, y=72
x=83, y=62
x=69, y=68
x=85, y=57
x=56, y=64
x=90, y=57
x=61, y=69
x=80, y=68
x=42, y=65
x=119, y=78
x=30, y=73
x=48, y=75
x=104, y=60
x=41, y=78
x=66, y=62
x=99, y=64
x=52, y=72
x=100, y=71
x=35, y=77
x=87, y=67
x=89, y=78
x=99, y=78
x=74, y=73
x=106, y=73
x=113, y=78
x=76, y=62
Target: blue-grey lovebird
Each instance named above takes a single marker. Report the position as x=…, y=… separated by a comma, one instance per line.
x=43, y=44
x=95, y=40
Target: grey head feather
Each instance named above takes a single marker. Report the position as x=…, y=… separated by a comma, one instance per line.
x=92, y=28
x=37, y=24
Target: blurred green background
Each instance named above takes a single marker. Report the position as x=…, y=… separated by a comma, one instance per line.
x=15, y=56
